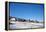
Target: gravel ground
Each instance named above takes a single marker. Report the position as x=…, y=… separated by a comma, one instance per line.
x=24, y=25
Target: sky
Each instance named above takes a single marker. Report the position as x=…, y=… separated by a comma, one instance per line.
x=27, y=11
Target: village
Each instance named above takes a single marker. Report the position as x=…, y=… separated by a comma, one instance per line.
x=18, y=23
